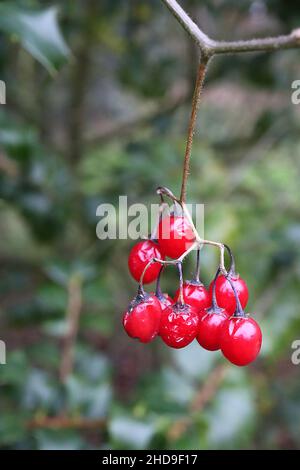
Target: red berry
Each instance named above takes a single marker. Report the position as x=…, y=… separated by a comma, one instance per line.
x=240, y=340
x=175, y=235
x=194, y=294
x=225, y=295
x=142, y=319
x=139, y=257
x=210, y=327
x=179, y=325
x=165, y=301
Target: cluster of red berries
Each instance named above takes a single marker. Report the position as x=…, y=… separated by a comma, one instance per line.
x=214, y=316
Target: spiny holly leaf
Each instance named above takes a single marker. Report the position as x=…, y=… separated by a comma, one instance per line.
x=38, y=32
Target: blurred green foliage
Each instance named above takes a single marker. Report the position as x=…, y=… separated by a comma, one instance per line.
x=110, y=119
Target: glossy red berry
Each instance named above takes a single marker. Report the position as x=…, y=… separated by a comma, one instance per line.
x=165, y=301
x=210, y=327
x=179, y=325
x=194, y=294
x=139, y=257
x=240, y=340
x=175, y=235
x=225, y=294
x=143, y=317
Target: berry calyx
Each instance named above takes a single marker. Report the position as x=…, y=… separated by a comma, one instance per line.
x=142, y=319
x=210, y=328
x=179, y=325
x=140, y=255
x=240, y=340
x=194, y=294
x=175, y=235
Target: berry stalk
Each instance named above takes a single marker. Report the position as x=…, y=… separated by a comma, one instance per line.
x=192, y=124
x=239, y=312
x=214, y=298
x=197, y=271
x=231, y=271
x=181, y=298
x=158, y=291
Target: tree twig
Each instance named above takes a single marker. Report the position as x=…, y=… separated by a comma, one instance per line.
x=65, y=422
x=192, y=124
x=79, y=79
x=210, y=47
x=8, y=166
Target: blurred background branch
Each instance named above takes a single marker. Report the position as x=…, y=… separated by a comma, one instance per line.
x=59, y=423
x=73, y=316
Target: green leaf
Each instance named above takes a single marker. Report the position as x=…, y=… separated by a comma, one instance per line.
x=177, y=390
x=232, y=415
x=193, y=361
x=38, y=32
x=18, y=140
x=91, y=400
x=131, y=433
x=39, y=391
x=58, y=440
x=12, y=428
x=16, y=369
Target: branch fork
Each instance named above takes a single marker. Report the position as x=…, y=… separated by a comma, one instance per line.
x=210, y=47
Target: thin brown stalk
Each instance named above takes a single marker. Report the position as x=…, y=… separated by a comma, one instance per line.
x=192, y=125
